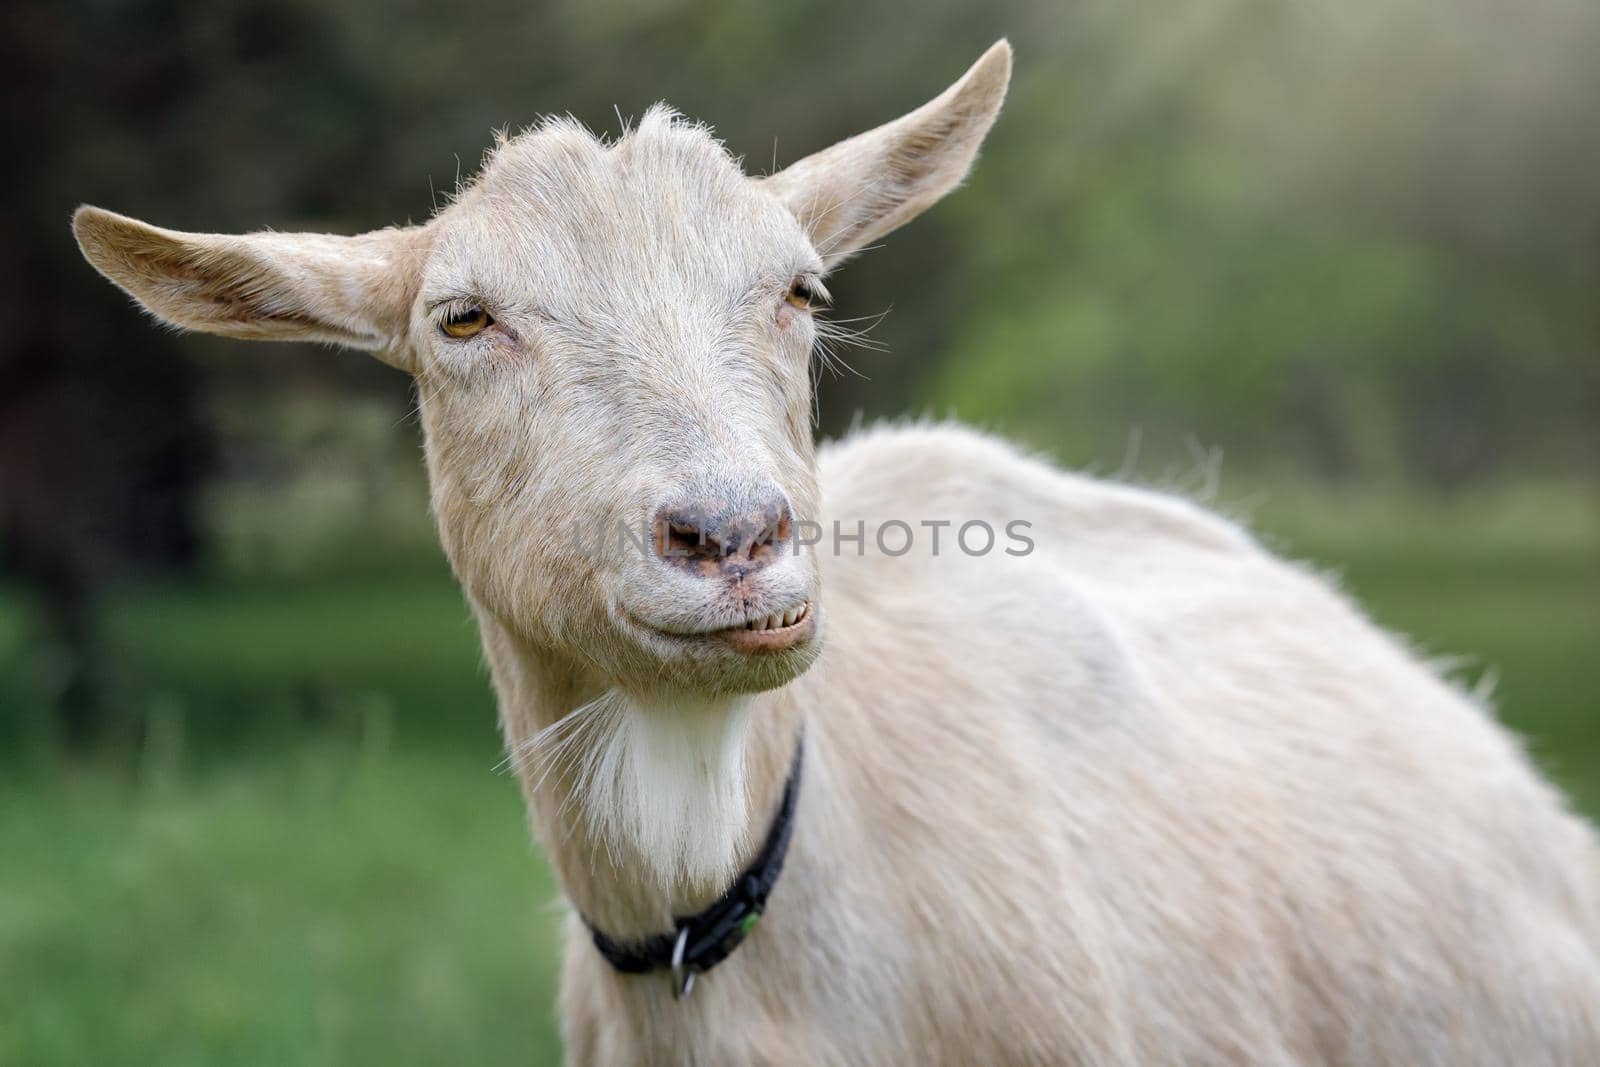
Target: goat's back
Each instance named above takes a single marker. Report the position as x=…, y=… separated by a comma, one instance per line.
x=1147, y=794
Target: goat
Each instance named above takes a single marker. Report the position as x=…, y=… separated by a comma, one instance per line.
x=1127, y=790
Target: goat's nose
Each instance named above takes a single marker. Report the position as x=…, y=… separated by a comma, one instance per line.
x=712, y=537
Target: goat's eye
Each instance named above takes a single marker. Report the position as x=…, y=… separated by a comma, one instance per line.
x=803, y=295
x=466, y=321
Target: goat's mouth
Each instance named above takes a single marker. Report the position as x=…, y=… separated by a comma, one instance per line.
x=770, y=633
x=776, y=631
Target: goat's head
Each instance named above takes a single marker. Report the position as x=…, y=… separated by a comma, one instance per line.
x=611, y=345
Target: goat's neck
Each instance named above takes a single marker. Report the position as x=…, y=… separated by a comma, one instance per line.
x=647, y=807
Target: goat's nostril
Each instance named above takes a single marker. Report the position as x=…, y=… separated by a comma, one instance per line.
x=684, y=534
x=781, y=531
x=769, y=531
x=682, y=538
x=723, y=539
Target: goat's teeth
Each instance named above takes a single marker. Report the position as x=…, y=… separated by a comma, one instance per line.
x=773, y=622
x=790, y=616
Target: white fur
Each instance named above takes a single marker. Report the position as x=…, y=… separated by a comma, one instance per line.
x=664, y=781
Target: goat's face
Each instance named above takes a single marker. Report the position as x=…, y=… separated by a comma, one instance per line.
x=612, y=349
x=611, y=346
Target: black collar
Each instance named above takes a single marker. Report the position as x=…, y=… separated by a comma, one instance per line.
x=700, y=942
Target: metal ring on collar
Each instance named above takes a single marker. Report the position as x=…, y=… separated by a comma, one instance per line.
x=682, y=977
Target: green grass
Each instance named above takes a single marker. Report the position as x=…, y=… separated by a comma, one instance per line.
x=325, y=908
x=309, y=858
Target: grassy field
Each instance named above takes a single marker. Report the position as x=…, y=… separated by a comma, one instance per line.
x=310, y=858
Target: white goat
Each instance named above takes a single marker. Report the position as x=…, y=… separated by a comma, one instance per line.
x=1142, y=794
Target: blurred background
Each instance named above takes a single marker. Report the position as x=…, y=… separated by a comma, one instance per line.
x=1332, y=267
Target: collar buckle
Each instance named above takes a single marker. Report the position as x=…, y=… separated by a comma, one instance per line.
x=682, y=975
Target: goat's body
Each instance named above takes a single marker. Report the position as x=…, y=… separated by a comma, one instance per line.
x=1146, y=795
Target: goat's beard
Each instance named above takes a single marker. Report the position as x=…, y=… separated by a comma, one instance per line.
x=657, y=783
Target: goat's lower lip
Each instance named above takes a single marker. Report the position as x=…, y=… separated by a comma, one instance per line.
x=777, y=639
x=744, y=638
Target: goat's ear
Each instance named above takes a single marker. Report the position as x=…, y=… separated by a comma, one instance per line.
x=851, y=194
x=354, y=291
